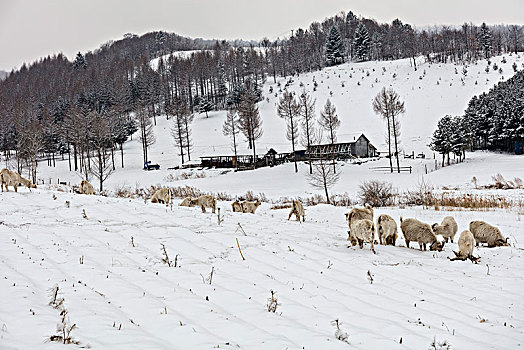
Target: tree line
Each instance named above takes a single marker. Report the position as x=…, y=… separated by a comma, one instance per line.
x=493, y=120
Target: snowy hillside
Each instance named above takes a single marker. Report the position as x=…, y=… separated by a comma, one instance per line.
x=426, y=102
x=109, y=272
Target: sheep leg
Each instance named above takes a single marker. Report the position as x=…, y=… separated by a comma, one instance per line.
x=203, y=208
x=290, y=215
x=214, y=209
x=407, y=243
x=373, y=247
x=360, y=243
x=297, y=215
x=16, y=187
x=380, y=238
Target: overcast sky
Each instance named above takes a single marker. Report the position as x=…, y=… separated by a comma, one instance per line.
x=30, y=29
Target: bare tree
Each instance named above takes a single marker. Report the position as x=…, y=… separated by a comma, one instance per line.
x=289, y=109
x=324, y=176
x=101, y=167
x=307, y=112
x=250, y=122
x=231, y=128
x=179, y=130
x=30, y=143
x=147, y=138
x=330, y=122
x=388, y=105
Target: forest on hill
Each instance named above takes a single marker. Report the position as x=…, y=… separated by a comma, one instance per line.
x=89, y=107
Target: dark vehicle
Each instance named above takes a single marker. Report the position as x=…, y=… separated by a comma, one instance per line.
x=421, y=156
x=149, y=166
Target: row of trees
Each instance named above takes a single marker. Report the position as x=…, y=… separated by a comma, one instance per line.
x=492, y=120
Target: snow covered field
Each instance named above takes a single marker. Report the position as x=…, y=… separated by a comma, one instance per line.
x=125, y=297
x=121, y=295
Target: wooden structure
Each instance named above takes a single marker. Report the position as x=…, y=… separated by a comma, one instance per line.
x=243, y=161
x=359, y=147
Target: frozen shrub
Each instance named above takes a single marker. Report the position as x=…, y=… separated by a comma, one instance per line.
x=377, y=193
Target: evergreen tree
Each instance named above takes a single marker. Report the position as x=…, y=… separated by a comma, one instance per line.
x=205, y=106
x=334, y=47
x=361, y=42
x=442, y=140
x=485, y=40
x=79, y=62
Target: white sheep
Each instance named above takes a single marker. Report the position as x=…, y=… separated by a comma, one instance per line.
x=355, y=215
x=466, y=244
x=86, y=187
x=363, y=231
x=237, y=207
x=448, y=228
x=186, y=202
x=204, y=201
x=485, y=233
x=162, y=195
x=387, y=229
x=418, y=231
x=298, y=210
x=12, y=178
x=250, y=207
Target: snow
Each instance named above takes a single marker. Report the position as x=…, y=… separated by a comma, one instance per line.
x=416, y=296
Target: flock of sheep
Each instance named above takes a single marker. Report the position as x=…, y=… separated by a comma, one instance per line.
x=362, y=229
x=360, y=220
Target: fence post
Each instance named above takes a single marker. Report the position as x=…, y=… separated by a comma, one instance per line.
x=426, y=168
x=410, y=169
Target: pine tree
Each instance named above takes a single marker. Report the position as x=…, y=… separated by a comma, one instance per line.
x=289, y=109
x=205, y=106
x=79, y=62
x=334, y=47
x=441, y=141
x=485, y=40
x=361, y=42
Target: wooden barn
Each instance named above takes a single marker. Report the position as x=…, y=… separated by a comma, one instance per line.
x=358, y=147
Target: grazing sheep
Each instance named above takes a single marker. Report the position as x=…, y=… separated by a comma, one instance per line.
x=186, y=202
x=86, y=187
x=387, y=230
x=237, y=207
x=363, y=231
x=298, y=210
x=204, y=201
x=415, y=230
x=466, y=245
x=448, y=228
x=162, y=195
x=12, y=178
x=250, y=207
x=485, y=233
x=358, y=214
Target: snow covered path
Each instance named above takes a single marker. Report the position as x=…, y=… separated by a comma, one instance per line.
x=415, y=295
